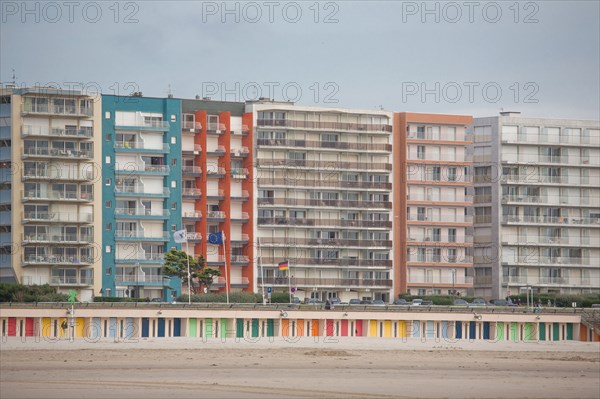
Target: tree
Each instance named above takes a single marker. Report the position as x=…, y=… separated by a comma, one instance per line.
x=176, y=264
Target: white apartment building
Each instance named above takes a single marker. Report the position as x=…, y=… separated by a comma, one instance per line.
x=537, y=205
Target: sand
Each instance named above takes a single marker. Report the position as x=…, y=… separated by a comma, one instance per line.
x=309, y=368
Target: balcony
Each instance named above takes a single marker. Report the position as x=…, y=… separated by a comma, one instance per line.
x=308, y=222
x=435, y=198
x=326, y=183
x=245, y=130
x=29, y=260
x=560, y=220
x=434, y=239
x=218, y=172
x=522, y=240
x=357, y=127
x=241, y=152
x=53, y=109
x=333, y=262
x=191, y=170
x=434, y=178
x=431, y=282
x=133, y=213
x=141, y=191
x=194, y=237
x=439, y=219
x=550, y=281
x=132, y=146
x=242, y=217
x=45, y=131
x=239, y=173
x=536, y=179
x=57, y=239
x=131, y=168
x=371, y=147
x=243, y=196
x=442, y=258
x=45, y=152
x=215, y=128
x=239, y=282
x=144, y=280
x=325, y=203
x=538, y=261
x=191, y=192
x=141, y=257
x=215, y=260
x=59, y=196
x=141, y=235
x=218, y=150
x=525, y=199
x=191, y=127
x=240, y=260
x=71, y=281
x=327, y=165
x=215, y=215
x=216, y=195
x=242, y=238
x=193, y=149
x=482, y=199
x=57, y=217
x=326, y=282
x=55, y=174
x=459, y=139
x=143, y=124
x=192, y=215
x=323, y=242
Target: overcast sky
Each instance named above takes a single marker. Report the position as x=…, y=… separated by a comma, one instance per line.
x=541, y=58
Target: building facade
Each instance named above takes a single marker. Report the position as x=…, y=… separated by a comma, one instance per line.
x=217, y=173
x=141, y=194
x=432, y=202
x=537, y=205
x=323, y=201
x=51, y=142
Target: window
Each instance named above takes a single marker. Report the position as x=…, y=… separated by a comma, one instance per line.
x=108, y=226
x=421, y=152
x=330, y=137
x=451, y=235
x=108, y=204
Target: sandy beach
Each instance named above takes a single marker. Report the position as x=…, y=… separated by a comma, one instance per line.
x=351, y=368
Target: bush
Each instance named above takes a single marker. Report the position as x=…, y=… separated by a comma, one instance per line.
x=234, y=297
x=118, y=299
x=560, y=300
x=13, y=292
x=445, y=300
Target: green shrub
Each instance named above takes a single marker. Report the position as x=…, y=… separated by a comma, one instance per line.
x=13, y=292
x=234, y=297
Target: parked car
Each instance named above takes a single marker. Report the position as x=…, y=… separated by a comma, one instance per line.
x=377, y=302
x=501, y=302
x=426, y=303
x=416, y=302
x=478, y=302
x=401, y=302
x=354, y=302
x=460, y=302
x=366, y=302
x=156, y=300
x=335, y=301
x=314, y=301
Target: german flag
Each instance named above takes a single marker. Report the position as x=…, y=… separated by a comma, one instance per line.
x=284, y=265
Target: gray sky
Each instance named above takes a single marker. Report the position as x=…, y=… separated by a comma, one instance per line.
x=541, y=58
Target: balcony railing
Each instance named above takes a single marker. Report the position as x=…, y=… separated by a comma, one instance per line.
x=141, y=190
x=58, y=238
x=191, y=192
x=291, y=241
x=442, y=258
x=56, y=174
x=239, y=152
x=135, y=257
x=133, y=168
x=325, y=262
x=144, y=124
x=57, y=195
x=218, y=128
x=57, y=259
x=561, y=260
x=325, y=202
x=436, y=198
x=56, y=153
x=139, y=279
x=438, y=282
x=439, y=178
x=242, y=237
x=140, y=234
x=63, y=280
x=560, y=281
x=239, y=172
x=328, y=165
x=215, y=215
x=57, y=109
x=193, y=236
x=196, y=148
x=216, y=150
x=67, y=217
x=142, y=212
x=243, y=195
x=325, y=125
x=438, y=137
x=242, y=216
x=329, y=183
x=215, y=171
x=191, y=215
x=324, y=222
x=448, y=240
x=44, y=131
x=443, y=219
x=327, y=282
x=191, y=126
x=325, y=144
x=188, y=170
x=216, y=194
x=239, y=259
x=132, y=145
x=538, y=199
x=550, y=220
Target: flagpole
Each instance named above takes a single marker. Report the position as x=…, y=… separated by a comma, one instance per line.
x=226, y=274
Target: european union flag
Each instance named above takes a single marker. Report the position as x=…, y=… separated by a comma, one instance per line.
x=216, y=238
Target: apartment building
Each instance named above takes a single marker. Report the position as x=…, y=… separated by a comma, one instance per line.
x=141, y=194
x=537, y=205
x=323, y=201
x=217, y=188
x=432, y=204
x=49, y=198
